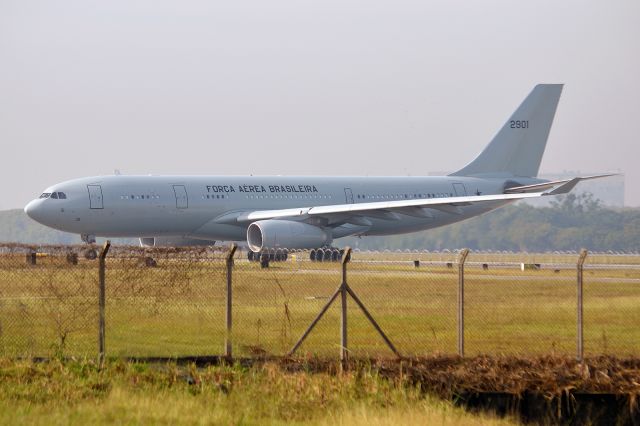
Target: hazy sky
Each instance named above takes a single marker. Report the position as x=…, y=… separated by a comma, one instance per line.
x=306, y=87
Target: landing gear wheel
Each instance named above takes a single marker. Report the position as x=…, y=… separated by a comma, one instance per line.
x=328, y=255
x=281, y=255
x=150, y=262
x=91, y=254
x=320, y=255
x=335, y=255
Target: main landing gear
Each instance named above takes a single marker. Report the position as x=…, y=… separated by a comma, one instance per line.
x=277, y=255
x=329, y=254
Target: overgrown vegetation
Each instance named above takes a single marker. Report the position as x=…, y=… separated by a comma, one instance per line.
x=76, y=392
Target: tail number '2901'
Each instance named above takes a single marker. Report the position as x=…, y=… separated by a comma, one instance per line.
x=519, y=124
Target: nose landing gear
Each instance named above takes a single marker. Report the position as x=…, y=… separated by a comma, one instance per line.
x=88, y=238
x=90, y=253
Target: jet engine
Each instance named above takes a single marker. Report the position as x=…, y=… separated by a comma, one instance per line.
x=173, y=242
x=272, y=234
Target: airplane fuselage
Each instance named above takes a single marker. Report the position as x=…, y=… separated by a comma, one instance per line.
x=194, y=206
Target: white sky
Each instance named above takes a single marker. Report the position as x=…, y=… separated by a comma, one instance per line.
x=306, y=87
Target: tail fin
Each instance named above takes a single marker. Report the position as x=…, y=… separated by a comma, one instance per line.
x=518, y=147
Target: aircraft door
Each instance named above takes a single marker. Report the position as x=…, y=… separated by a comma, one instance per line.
x=95, y=196
x=459, y=190
x=348, y=195
x=182, y=200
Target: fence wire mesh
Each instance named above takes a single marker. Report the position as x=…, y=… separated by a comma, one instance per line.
x=273, y=306
x=612, y=305
x=519, y=308
x=48, y=302
x=412, y=296
x=173, y=302
x=165, y=303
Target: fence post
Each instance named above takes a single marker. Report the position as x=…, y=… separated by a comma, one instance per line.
x=580, y=336
x=462, y=257
x=343, y=315
x=101, y=302
x=228, y=351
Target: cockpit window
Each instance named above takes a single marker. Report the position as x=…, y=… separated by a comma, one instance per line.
x=55, y=195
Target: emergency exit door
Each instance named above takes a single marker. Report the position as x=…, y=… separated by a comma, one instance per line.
x=95, y=196
x=459, y=189
x=182, y=200
x=348, y=195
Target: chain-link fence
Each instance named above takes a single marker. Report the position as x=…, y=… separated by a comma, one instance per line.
x=176, y=303
x=48, y=302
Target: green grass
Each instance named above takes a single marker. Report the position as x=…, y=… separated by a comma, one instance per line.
x=123, y=393
x=178, y=308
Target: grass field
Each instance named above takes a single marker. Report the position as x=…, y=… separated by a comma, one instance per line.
x=123, y=393
x=178, y=307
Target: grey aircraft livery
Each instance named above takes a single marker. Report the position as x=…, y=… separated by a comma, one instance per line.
x=272, y=212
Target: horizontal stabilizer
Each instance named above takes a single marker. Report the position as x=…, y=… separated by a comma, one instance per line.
x=552, y=184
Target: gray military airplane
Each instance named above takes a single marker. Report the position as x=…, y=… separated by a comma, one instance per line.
x=271, y=212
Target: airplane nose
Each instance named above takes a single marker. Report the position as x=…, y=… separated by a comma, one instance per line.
x=34, y=210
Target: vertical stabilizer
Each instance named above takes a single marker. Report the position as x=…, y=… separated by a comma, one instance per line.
x=518, y=147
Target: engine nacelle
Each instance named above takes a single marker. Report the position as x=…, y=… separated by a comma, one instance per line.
x=272, y=234
x=173, y=242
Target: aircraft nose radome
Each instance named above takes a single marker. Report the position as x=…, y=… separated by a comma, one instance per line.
x=28, y=208
x=32, y=210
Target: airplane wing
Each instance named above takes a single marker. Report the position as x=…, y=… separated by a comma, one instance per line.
x=372, y=208
x=389, y=210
